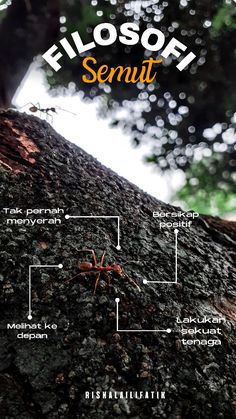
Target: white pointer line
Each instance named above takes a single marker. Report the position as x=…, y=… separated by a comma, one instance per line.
x=176, y=255
x=145, y=281
x=67, y=216
x=60, y=266
x=117, y=300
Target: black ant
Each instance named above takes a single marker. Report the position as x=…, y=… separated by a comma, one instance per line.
x=36, y=108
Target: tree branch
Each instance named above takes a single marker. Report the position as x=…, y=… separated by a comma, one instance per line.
x=26, y=31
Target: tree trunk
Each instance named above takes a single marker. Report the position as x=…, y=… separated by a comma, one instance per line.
x=47, y=377
x=27, y=30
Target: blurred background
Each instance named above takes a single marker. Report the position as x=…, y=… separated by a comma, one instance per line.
x=174, y=138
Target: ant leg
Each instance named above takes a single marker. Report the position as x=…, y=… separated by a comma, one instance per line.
x=108, y=279
x=39, y=109
x=73, y=277
x=96, y=283
x=132, y=281
x=93, y=255
x=102, y=258
x=50, y=118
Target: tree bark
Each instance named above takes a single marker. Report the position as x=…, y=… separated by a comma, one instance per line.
x=47, y=378
x=27, y=30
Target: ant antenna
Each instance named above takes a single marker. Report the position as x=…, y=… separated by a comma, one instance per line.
x=65, y=110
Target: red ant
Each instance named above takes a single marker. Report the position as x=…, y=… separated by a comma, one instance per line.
x=100, y=268
x=36, y=108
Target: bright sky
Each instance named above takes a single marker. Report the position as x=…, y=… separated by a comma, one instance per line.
x=109, y=145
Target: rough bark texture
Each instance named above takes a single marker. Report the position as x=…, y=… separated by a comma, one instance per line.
x=47, y=379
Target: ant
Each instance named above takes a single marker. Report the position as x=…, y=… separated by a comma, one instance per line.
x=100, y=268
x=36, y=108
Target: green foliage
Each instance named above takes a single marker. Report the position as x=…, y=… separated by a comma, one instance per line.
x=172, y=113
x=3, y=7
x=4, y=3
x=203, y=193
x=224, y=18
x=81, y=17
